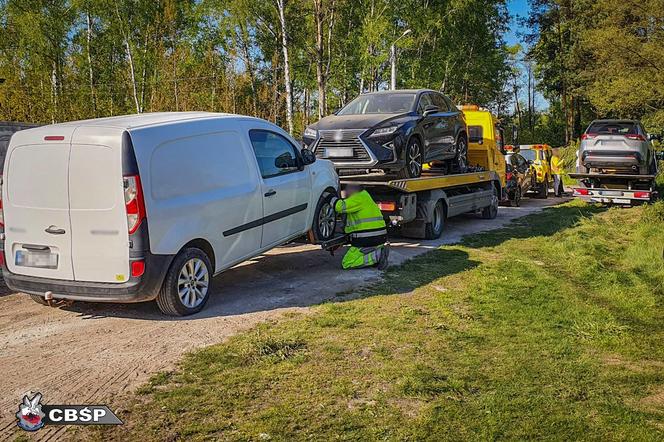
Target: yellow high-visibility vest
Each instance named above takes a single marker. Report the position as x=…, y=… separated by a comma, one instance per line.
x=362, y=213
x=556, y=165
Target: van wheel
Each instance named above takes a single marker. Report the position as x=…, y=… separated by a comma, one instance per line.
x=39, y=299
x=491, y=211
x=325, y=219
x=186, y=287
x=435, y=228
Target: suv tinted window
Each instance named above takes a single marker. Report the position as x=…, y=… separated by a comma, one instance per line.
x=274, y=153
x=425, y=100
x=439, y=101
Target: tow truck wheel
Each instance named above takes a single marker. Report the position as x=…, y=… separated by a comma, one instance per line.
x=325, y=219
x=435, y=228
x=491, y=211
x=543, y=190
x=516, y=201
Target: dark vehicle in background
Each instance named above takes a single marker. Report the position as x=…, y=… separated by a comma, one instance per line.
x=620, y=146
x=7, y=129
x=520, y=178
x=393, y=131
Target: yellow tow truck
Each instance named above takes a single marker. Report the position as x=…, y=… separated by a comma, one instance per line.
x=419, y=207
x=539, y=157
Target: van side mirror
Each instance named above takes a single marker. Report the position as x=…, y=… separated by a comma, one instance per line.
x=308, y=157
x=430, y=109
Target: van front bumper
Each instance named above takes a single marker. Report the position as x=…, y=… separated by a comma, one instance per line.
x=143, y=288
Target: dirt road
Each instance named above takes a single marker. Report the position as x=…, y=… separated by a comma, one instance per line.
x=93, y=353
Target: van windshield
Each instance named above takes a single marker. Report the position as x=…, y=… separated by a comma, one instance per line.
x=379, y=104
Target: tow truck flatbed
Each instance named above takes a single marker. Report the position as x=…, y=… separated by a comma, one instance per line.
x=608, y=188
x=602, y=176
x=428, y=181
x=418, y=207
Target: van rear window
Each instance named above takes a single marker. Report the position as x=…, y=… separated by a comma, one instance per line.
x=613, y=128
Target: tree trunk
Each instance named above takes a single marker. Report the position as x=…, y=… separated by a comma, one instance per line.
x=287, y=80
x=93, y=92
x=320, y=76
x=130, y=60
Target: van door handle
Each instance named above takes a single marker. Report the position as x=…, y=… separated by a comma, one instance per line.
x=55, y=231
x=270, y=192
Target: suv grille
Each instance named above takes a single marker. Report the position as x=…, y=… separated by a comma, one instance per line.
x=342, y=139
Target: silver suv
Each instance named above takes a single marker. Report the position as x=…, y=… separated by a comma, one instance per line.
x=621, y=146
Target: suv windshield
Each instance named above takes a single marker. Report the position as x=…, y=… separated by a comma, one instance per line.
x=612, y=128
x=379, y=104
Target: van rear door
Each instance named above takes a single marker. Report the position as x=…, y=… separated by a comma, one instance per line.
x=100, y=240
x=36, y=204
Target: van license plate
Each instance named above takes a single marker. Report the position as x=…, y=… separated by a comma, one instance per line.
x=42, y=260
x=339, y=153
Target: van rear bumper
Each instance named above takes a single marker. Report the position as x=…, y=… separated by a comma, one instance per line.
x=144, y=288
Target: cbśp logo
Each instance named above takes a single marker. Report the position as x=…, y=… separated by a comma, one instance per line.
x=30, y=415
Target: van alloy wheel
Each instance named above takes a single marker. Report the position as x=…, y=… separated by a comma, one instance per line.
x=193, y=283
x=326, y=220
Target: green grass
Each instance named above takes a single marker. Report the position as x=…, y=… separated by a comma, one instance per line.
x=551, y=329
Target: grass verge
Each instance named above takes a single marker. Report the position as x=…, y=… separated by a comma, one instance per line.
x=551, y=328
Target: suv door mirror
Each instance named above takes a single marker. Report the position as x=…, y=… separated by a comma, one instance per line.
x=660, y=155
x=430, y=109
x=308, y=157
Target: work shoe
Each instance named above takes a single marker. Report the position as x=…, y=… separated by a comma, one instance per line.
x=384, y=254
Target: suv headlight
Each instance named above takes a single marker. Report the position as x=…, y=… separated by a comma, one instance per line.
x=384, y=131
x=310, y=133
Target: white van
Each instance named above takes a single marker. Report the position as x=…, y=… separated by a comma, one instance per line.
x=151, y=206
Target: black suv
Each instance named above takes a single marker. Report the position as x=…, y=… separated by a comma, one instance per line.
x=393, y=131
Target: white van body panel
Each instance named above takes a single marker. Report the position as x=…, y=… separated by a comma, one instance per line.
x=199, y=181
x=97, y=208
x=35, y=196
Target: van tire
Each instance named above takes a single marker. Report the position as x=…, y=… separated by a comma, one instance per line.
x=168, y=299
x=39, y=299
x=324, y=204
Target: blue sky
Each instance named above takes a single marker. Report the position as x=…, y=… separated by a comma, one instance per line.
x=516, y=7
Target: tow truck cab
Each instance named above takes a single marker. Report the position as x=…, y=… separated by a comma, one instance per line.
x=486, y=145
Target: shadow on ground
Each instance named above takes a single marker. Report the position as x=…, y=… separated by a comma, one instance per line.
x=545, y=223
x=301, y=278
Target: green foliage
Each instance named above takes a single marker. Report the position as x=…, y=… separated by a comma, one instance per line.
x=71, y=59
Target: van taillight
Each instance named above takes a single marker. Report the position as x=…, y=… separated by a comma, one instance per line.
x=588, y=136
x=134, y=203
x=635, y=137
x=2, y=211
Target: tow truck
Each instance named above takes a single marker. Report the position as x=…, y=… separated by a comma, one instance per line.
x=619, y=189
x=419, y=207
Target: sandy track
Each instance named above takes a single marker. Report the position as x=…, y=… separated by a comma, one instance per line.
x=94, y=353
